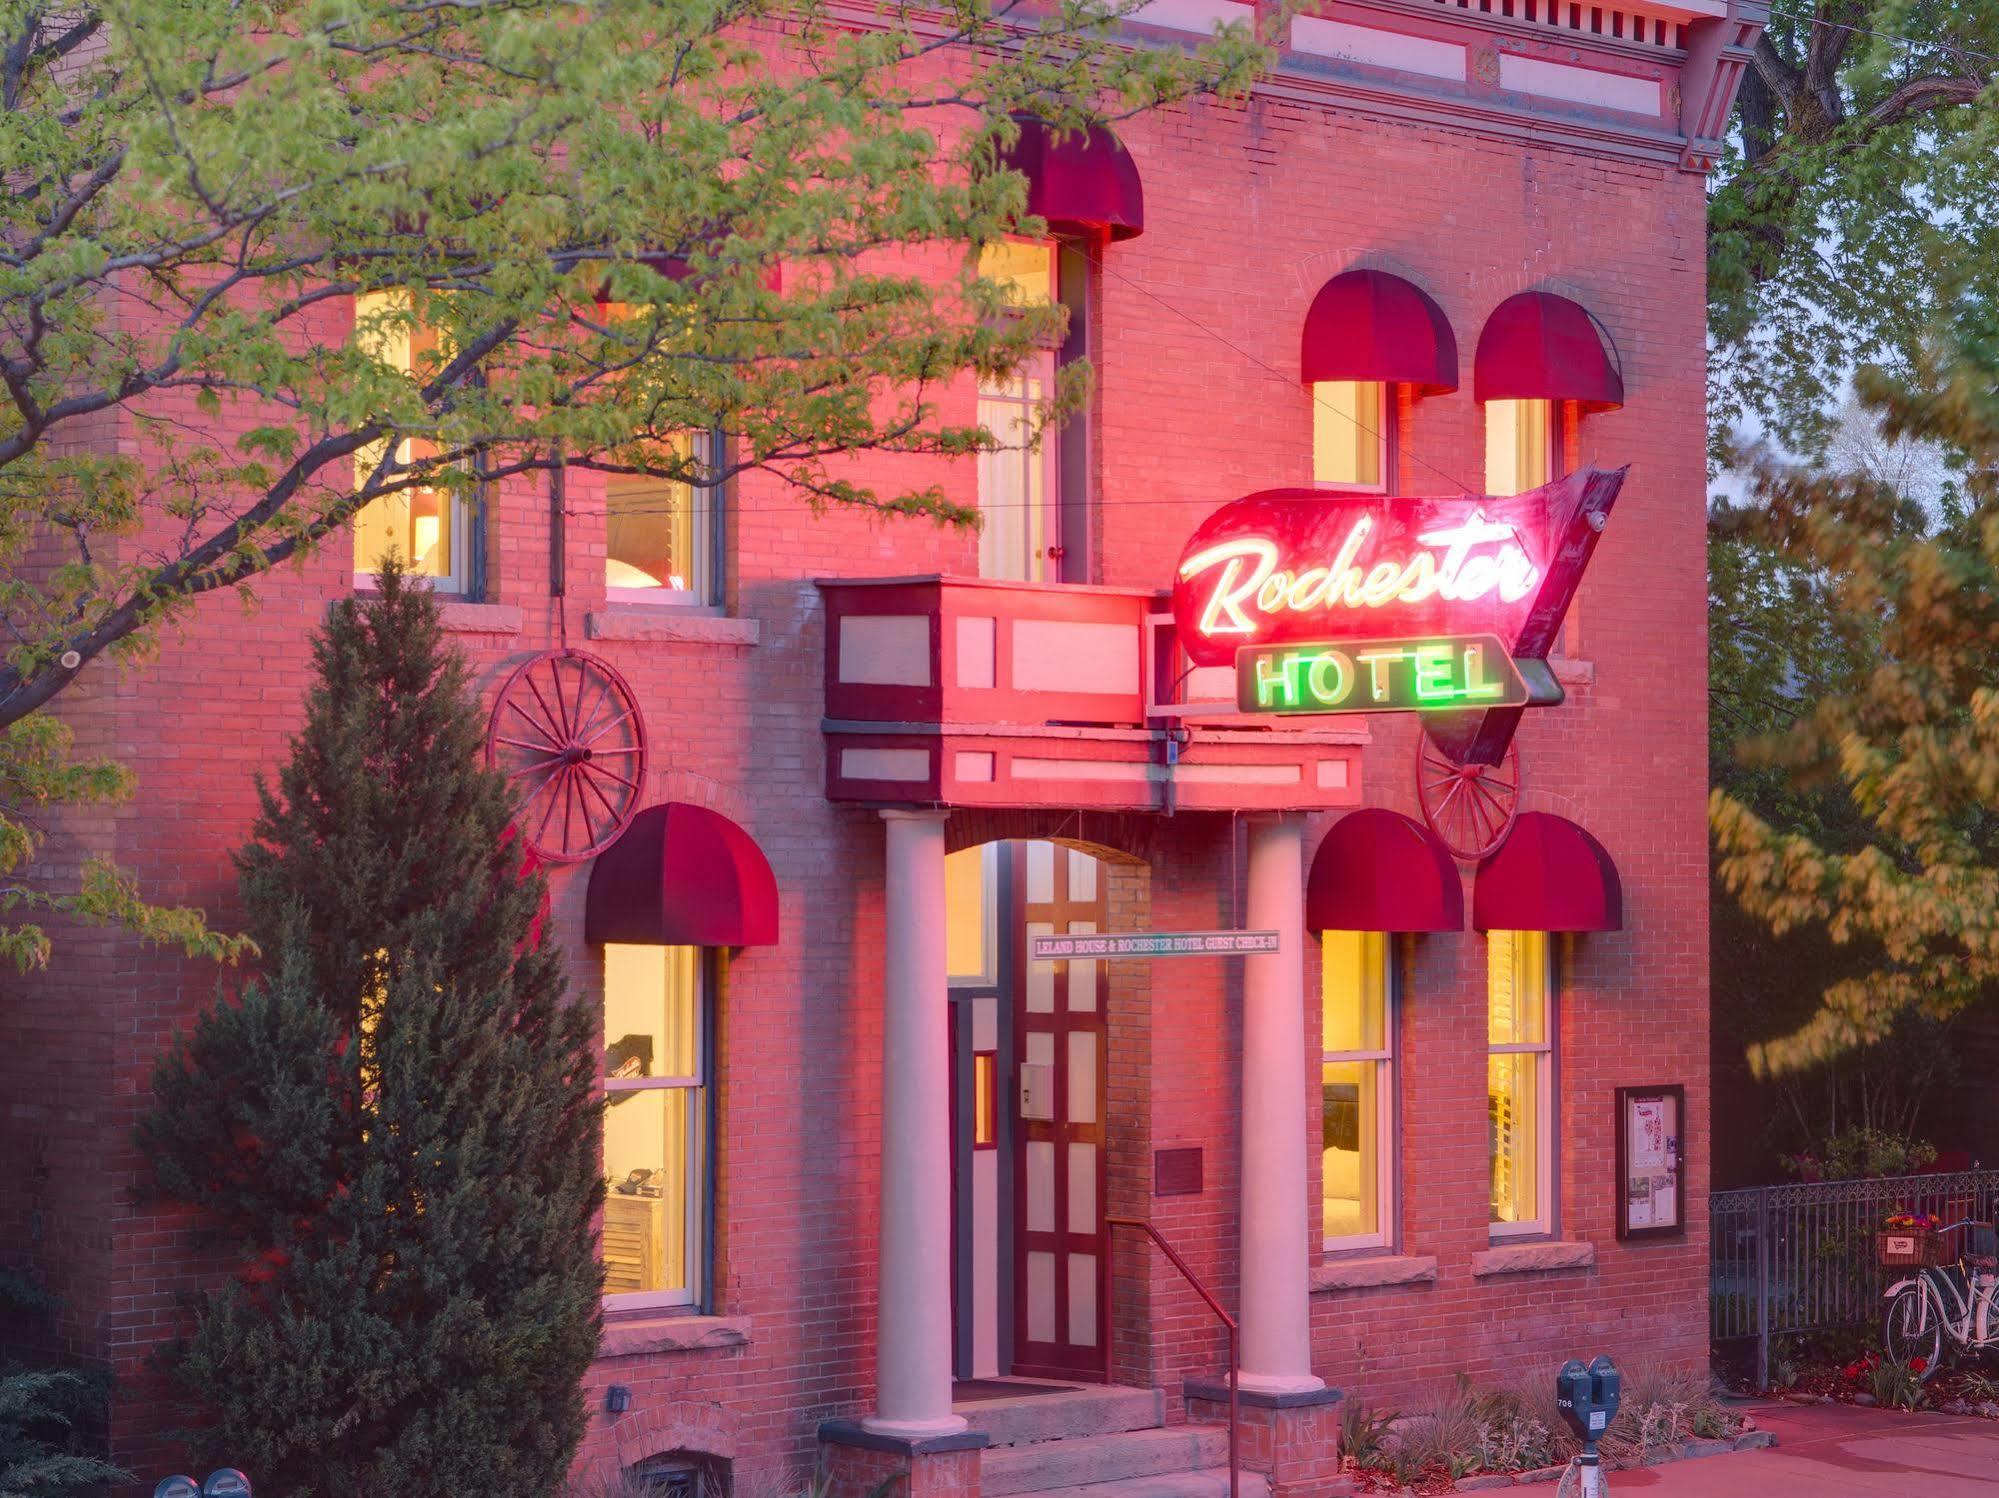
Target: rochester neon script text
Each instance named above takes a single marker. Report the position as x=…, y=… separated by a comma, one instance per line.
x=1477, y=559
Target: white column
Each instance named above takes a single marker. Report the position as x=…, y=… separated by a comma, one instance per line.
x=913, y=1312
x=1276, y=1284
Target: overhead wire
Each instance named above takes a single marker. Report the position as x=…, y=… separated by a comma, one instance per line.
x=1107, y=502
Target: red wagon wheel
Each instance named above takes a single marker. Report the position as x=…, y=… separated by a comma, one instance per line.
x=1470, y=807
x=567, y=731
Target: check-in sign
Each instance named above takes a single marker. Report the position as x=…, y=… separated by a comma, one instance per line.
x=1112, y=944
x=1443, y=673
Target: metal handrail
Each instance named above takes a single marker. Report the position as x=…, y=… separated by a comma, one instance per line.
x=1228, y=1321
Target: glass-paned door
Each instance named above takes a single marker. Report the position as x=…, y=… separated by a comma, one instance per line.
x=1060, y=1029
x=1019, y=532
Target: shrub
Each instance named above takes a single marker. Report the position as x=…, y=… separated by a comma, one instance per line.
x=46, y=1413
x=1861, y=1152
x=1896, y=1386
x=1663, y=1404
x=1447, y=1434
x=1364, y=1433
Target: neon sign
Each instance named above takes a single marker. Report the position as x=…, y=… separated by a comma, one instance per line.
x=1362, y=676
x=1299, y=565
x=1317, y=569
x=1446, y=568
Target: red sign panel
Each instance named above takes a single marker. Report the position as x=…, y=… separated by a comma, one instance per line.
x=1308, y=566
x=1292, y=566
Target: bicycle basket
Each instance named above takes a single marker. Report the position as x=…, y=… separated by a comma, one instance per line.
x=1905, y=1248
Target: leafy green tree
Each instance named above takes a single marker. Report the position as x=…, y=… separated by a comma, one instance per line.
x=1782, y=640
x=586, y=202
x=396, y=1130
x=1862, y=128
x=1896, y=858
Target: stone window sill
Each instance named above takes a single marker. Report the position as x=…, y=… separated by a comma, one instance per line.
x=1530, y=1258
x=642, y=623
x=461, y=618
x=1374, y=1270
x=649, y=1334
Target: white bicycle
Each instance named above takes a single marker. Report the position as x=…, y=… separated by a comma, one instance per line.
x=1941, y=1303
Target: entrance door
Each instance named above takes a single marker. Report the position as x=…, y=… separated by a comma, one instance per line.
x=1059, y=1322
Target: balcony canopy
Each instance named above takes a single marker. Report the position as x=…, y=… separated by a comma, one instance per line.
x=1082, y=181
x=682, y=876
x=1378, y=870
x=1539, y=346
x=1369, y=325
x=1549, y=875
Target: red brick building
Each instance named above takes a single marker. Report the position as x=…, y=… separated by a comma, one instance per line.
x=862, y=1149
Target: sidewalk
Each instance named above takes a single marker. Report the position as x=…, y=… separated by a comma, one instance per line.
x=1839, y=1451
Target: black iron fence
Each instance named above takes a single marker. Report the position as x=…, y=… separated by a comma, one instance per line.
x=1800, y=1258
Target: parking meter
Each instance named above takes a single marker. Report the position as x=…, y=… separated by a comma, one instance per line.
x=1588, y=1398
x=226, y=1482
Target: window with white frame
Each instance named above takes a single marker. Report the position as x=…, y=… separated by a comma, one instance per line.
x=1019, y=527
x=656, y=1145
x=1520, y=1082
x=660, y=536
x=428, y=528
x=1351, y=421
x=1523, y=445
x=1357, y=1088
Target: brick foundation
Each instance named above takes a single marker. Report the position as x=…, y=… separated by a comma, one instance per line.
x=859, y=1464
x=1292, y=1439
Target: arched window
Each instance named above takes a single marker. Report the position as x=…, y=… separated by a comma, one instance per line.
x=1542, y=362
x=1369, y=338
x=1034, y=495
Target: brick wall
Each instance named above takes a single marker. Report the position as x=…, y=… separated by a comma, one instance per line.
x=1250, y=210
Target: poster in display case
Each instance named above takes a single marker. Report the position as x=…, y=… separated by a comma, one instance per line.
x=1651, y=1150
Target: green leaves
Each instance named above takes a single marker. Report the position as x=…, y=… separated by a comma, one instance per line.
x=38, y=775
x=1863, y=185
x=625, y=220
x=1864, y=803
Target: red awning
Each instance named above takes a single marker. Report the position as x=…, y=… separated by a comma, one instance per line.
x=682, y=876
x=1083, y=182
x=1549, y=875
x=1369, y=325
x=1539, y=346
x=1378, y=870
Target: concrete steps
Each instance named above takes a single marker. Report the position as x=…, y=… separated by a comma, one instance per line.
x=1068, y=1414
x=1081, y=1461
x=1209, y=1482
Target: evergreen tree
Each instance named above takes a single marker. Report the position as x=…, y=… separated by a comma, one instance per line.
x=397, y=1126
x=49, y=1415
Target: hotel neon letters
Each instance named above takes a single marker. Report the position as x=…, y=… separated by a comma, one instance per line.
x=1318, y=570
x=1358, y=676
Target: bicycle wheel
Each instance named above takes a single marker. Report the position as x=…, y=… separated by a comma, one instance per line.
x=1914, y=1331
